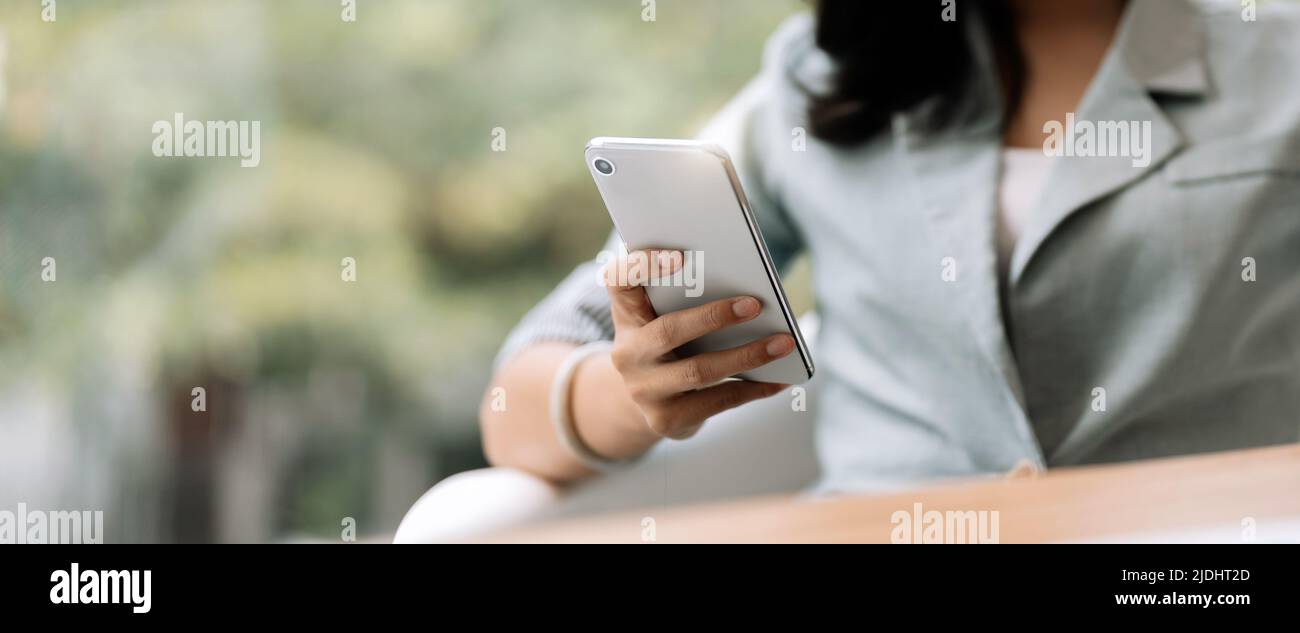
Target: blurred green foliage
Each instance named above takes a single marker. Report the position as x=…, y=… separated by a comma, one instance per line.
x=327, y=399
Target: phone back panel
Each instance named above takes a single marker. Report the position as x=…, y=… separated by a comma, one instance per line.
x=685, y=196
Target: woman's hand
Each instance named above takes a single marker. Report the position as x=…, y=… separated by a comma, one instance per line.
x=625, y=402
x=676, y=395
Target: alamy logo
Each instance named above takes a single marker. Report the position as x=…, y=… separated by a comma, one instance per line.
x=209, y=138
x=1129, y=139
x=666, y=269
x=37, y=527
x=92, y=586
x=952, y=526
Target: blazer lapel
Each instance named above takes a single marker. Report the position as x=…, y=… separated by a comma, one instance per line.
x=953, y=171
x=1157, y=50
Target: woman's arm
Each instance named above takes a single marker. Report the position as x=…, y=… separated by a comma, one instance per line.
x=522, y=436
x=625, y=401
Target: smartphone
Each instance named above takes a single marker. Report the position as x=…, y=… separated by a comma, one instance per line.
x=685, y=196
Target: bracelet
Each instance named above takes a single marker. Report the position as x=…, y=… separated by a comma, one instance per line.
x=562, y=412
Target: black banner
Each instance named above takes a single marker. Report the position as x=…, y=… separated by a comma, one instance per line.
x=322, y=582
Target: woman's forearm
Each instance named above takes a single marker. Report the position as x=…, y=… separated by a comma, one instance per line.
x=516, y=425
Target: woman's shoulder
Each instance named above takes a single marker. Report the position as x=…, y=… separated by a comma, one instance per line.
x=793, y=67
x=776, y=98
x=1253, y=55
x=1271, y=28
x=791, y=40
x=1247, y=11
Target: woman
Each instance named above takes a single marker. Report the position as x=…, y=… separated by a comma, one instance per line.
x=1056, y=232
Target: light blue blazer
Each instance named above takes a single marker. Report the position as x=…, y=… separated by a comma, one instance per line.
x=1149, y=311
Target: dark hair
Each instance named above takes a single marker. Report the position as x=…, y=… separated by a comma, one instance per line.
x=890, y=56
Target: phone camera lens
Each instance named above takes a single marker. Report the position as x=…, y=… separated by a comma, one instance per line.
x=603, y=166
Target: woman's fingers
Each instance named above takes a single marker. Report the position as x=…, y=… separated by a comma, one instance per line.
x=625, y=280
x=675, y=395
x=676, y=329
x=705, y=369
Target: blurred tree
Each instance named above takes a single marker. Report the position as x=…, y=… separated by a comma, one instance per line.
x=327, y=398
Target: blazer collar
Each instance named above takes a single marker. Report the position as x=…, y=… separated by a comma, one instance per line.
x=954, y=169
x=1162, y=43
x=1159, y=49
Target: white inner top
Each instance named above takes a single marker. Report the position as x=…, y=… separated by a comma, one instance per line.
x=1024, y=174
